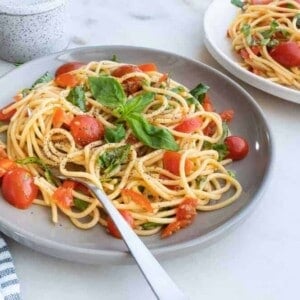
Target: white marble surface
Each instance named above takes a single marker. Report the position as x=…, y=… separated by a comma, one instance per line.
x=260, y=259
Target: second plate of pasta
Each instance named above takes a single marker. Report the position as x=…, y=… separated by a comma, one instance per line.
x=246, y=40
x=157, y=132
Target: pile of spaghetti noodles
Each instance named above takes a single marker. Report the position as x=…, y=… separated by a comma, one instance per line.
x=130, y=169
x=258, y=29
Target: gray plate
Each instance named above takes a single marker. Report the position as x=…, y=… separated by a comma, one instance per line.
x=33, y=227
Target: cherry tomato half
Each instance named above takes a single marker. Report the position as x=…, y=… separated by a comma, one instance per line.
x=68, y=67
x=111, y=227
x=171, y=162
x=18, y=188
x=287, y=54
x=237, y=147
x=86, y=129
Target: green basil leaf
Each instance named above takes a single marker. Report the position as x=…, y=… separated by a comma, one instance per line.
x=199, y=92
x=115, y=134
x=112, y=158
x=219, y=147
x=43, y=79
x=107, y=91
x=231, y=173
x=25, y=92
x=138, y=103
x=80, y=204
x=297, y=20
x=77, y=97
x=246, y=30
x=152, y=136
x=225, y=132
x=238, y=3
x=114, y=58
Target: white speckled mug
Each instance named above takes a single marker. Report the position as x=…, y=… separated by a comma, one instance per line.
x=32, y=28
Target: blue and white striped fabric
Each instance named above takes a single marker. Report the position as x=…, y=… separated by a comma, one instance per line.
x=9, y=283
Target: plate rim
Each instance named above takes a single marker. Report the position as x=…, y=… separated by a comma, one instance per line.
x=261, y=83
x=89, y=255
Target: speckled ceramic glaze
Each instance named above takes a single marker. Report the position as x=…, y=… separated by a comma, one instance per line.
x=32, y=28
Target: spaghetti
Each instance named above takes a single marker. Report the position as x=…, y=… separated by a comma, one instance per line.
x=267, y=37
x=159, y=156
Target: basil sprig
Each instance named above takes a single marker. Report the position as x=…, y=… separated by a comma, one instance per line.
x=109, y=92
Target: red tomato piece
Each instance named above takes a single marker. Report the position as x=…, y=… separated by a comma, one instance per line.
x=187, y=209
x=66, y=80
x=227, y=115
x=6, y=165
x=69, y=184
x=164, y=77
x=287, y=54
x=86, y=129
x=61, y=118
x=210, y=129
x=18, y=188
x=258, y=2
x=5, y=117
x=138, y=198
x=207, y=104
x=174, y=227
x=63, y=196
x=150, y=67
x=131, y=85
x=111, y=227
x=126, y=69
x=68, y=67
x=237, y=147
x=171, y=162
x=189, y=125
x=244, y=53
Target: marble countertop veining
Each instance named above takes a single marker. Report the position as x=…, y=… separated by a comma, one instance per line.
x=260, y=259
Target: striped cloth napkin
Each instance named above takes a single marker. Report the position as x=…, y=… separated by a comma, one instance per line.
x=9, y=283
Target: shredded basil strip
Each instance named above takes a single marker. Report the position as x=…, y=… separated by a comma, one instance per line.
x=43, y=79
x=115, y=134
x=112, y=158
x=77, y=97
x=199, y=92
x=297, y=20
x=219, y=147
x=80, y=204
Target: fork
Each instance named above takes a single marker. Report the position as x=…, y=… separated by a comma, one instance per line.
x=160, y=282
